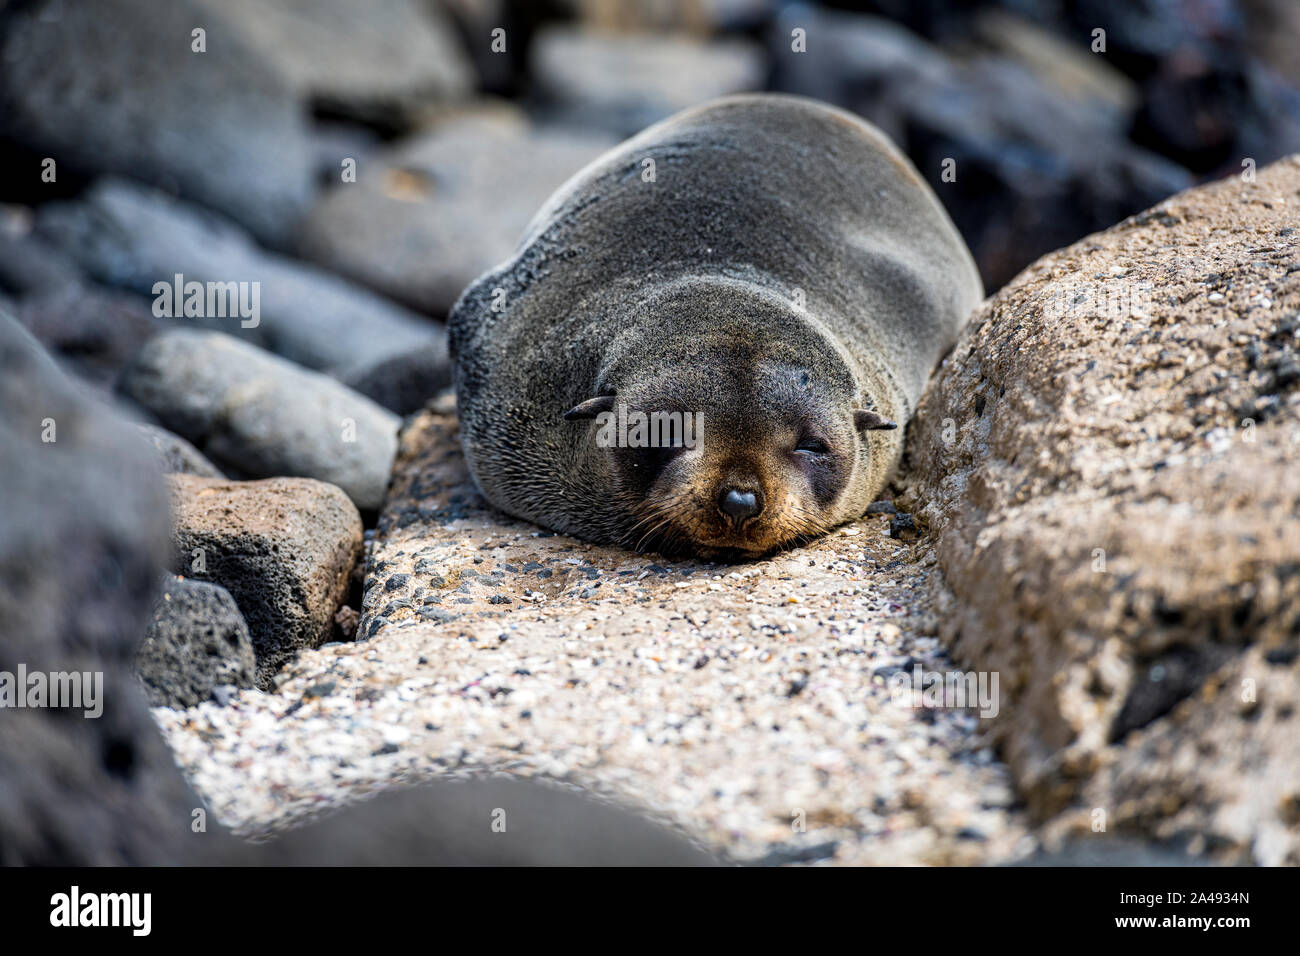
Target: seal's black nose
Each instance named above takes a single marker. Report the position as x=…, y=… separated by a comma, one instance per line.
x=739, y=505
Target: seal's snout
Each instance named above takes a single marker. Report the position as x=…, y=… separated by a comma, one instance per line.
x=739, y=505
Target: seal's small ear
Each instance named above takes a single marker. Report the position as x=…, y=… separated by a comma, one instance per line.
x=590, y=408
x=864, y=421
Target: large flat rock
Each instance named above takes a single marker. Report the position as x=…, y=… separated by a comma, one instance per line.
x=747, y=705
x=1107, y=461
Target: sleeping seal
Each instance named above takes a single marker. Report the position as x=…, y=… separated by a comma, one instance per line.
x=705, y=338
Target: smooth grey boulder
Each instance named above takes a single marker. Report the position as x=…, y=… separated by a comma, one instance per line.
x=621, y=82
x=377, y=61
x=428, y=216
x=176, y=456
x=117, y=86
x=196, y=642
x=127, y=235
x=249, y=410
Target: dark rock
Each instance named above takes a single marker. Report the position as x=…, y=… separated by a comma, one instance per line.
x=452, y=822
x=1024, y=188
x=115, y=87
x=866, y=64
x=320, y=690
x=881, y=508
x=177, y=456
x=91, y=330
x=1211, y=112
x=1020, y=187
x=29, y=264
x=132, y=237
x=284, y=548
x=499, y=72
x=196, y=641
x=404, y=383
x=1103, y=850
x=83, y=537
x=1219, y=81
x=249, y=410
x=786, y=855
x=903, y=527
x=428, y=216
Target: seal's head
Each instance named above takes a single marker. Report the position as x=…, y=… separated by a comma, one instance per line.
x=734, y=447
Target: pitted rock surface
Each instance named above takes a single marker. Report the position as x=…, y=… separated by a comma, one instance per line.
x=1107, y=464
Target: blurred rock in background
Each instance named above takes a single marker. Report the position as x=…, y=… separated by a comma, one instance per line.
x=623, y=82
x=130, y=237
x=441, y=207
x=377, y=62
x=118, y=87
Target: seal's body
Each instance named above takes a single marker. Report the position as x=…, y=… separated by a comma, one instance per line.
x=769, y=267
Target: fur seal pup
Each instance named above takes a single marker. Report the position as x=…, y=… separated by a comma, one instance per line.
x=764, y=274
